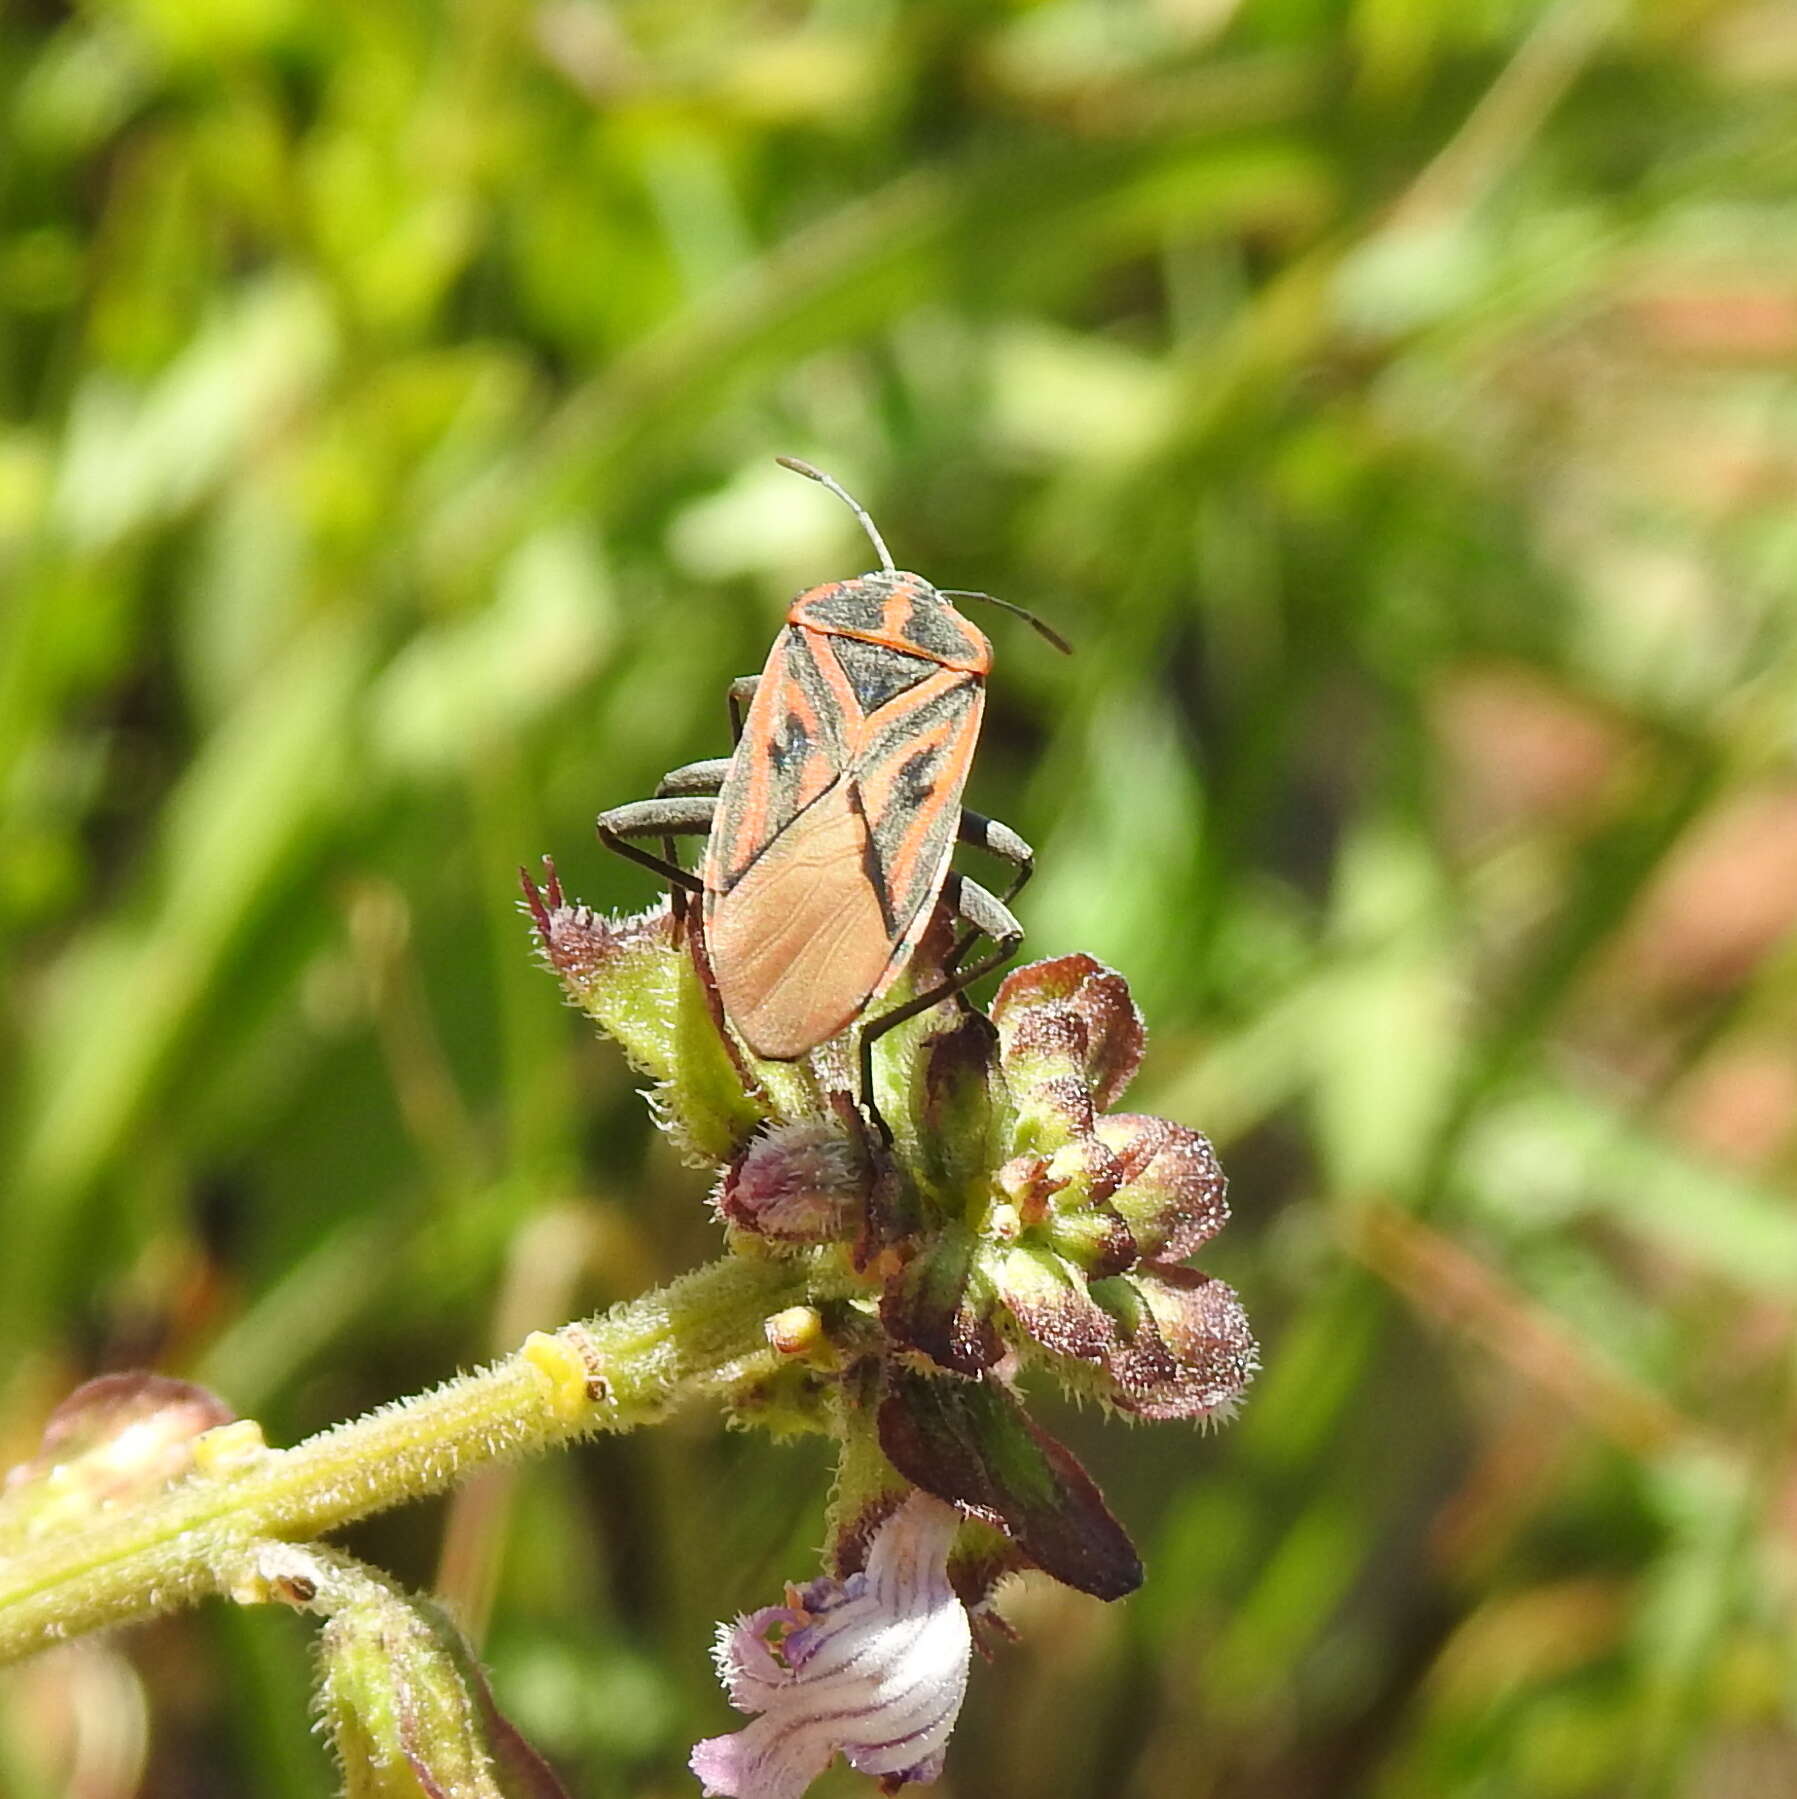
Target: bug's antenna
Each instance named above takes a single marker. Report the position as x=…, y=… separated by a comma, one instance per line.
x=843, y=494
x=1023, y=612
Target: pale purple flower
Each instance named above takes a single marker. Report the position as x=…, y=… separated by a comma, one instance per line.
x=874, y=1666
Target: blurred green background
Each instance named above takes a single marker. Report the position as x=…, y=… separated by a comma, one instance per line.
x=1393, y=400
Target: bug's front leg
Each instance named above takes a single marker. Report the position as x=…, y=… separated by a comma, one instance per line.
x=694, y=777
x=684, y=815
x=986, y=916
x=742, y=695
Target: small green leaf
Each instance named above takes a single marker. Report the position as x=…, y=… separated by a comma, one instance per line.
x=941, y=1305
x=971, y=1442
x=644, y=990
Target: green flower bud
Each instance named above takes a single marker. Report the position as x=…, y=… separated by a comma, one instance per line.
x=972, y=1443
x=645, y=985
x=409, y=1710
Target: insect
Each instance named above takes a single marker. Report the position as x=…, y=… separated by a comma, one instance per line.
x=831, y=827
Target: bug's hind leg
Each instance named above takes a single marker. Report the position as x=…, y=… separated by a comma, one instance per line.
x=999, y=840
x=986, y=916
x=686, y=815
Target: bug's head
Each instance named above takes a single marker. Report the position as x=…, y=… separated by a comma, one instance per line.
x=890, y=576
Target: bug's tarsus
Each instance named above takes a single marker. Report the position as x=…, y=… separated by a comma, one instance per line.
x=1023, y=612
x=848, y=499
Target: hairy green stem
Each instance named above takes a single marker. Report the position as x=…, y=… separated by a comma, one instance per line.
x=703, y=1334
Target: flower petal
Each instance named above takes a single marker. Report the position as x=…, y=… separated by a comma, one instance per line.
x=874, y=1666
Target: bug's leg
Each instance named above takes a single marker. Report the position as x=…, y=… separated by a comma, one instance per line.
x=986, y=916
x=742, y=691
x=688, y=815
x=706, y=778
x=695, y=777
x=999, y=840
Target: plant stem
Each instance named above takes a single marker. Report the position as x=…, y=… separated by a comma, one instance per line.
x=701, y=1334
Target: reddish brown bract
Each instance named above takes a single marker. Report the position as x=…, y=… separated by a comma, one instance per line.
x=838, y=817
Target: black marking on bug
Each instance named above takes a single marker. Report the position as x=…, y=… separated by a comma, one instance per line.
x=877, y=673
x=931, y=626
x=871, y=863
x=789, y=747
x=917, y=776
x=850, y=605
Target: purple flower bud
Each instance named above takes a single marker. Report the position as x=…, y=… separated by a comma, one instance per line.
x=1171, y=1191
x=1051, y=1303
x=1035, y=1006
x=575, y=941
x=1183, y=1347
x=802, y=1182
x=874, y=1666
x=1161, y=1342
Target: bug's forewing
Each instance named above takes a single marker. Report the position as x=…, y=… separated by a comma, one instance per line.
x=799, y=942
x=910, y=770
x=794, y=746
x=834, y=830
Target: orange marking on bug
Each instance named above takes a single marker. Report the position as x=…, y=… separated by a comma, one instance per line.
x=878, y=778
x=817, y=643
x=975, y=657
x=956, y=740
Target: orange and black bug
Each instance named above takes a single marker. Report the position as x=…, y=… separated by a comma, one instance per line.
x=832, y=826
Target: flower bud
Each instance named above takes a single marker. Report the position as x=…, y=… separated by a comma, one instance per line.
x=1183, y=1348
x=960, y=1104
x=410, y=1711
x=1034, y=1008
x=1080, y=1222
x=1170, y=1190
x=1095, y=1238
x=972, y=1443
x=645, y=985
x=114, y=1441
x=1050, y=1301
x=941, y=1305
x=804, y=1182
